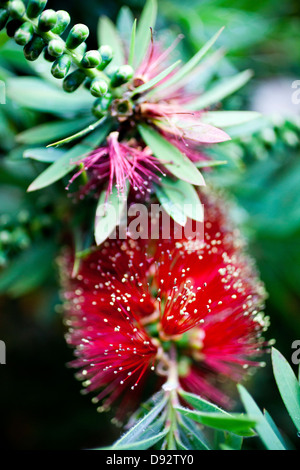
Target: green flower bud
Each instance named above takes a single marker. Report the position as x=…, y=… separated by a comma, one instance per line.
x=107, y=54
x=122, y=75
x=56, y=47
x=4, y=15
x=35, y=8
x=47, y=56
x=47, y=20
x=91, y=59
x=73, y=81
x=77, y=36
x=98, y=87
x=63, y=21
x=24, y=34
x=61, y=66
x=101, y=105
x=12, y=26
x=16, y=9
x=34, y=48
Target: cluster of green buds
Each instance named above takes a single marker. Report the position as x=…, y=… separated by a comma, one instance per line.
x=39, y=30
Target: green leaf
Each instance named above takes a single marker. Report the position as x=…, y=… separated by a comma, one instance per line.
x=175, y=161
x=45, y=133
x=108, y=35
x=180, y=200
x=288, y=386
x=44, y=155
x=263, y=428
x=132, y=44
x=200, y=404
x=221, y=90
x=35, y=93
x=190, y=65
x=235, y=423
x=274, y=427
x=210, y=163
x=27, y=272
x=140, y=444
x=151, y=83
x=125, y=22
x=189, y=432
x=143, y=34
x=228, y=118
x=108, y=214
x=138, y=430
x=67, y=162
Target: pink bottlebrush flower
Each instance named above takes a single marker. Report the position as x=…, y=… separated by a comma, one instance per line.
x=167, y=108
x=119, y=162
x=132, y=298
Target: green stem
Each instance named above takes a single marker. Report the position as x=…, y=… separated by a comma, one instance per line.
x=171, y=388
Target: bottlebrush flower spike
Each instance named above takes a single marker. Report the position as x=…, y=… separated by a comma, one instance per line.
x=119, y=162
x=131, y=299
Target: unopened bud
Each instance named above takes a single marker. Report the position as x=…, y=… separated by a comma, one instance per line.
x=47, y=20
x=98, y=87
x=101, y=105
x=35, y=8
x=73, y=81
x=122, y=75
x=91, y=59
x=56, y=47
x=107, y=54
x=16, y=9
x=61, y=66
x=24, y=34
x=47, y=56
x=34, y=48
x=77, y=36
x=63, y=21
x=12, y=26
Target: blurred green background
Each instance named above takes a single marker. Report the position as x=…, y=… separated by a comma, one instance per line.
x=41, y=406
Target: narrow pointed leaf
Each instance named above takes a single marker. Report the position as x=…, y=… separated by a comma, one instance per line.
x=221, y=90
x=108, y=35
x=263, y=428
x=288, y=386
x=125, y=22
x=108, y=214
x=132, y=44
x=45, y=133
x=199, y=403
x=45, y=97
x=136, y=431
x=235, y=423
x=67, y=162
x=44, y=155
x=143, y=34
x=140, y=444
x=191, y=64
x=180, y=200
x=175, y=161
x=228, y=118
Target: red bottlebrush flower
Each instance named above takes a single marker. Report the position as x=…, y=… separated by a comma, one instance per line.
x=132, y=298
